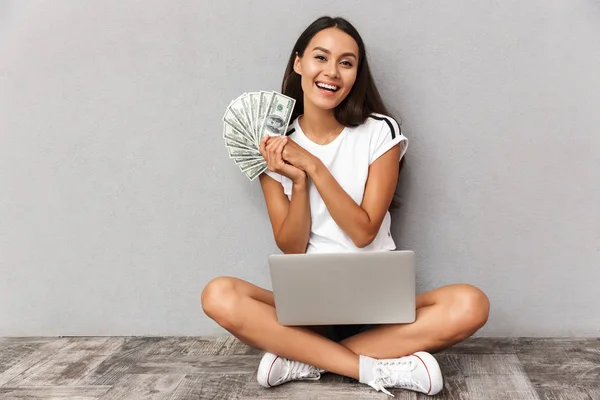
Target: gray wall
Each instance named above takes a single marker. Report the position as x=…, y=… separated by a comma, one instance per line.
x=118, y=202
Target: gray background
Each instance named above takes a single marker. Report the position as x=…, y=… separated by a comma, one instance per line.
x=118, y=202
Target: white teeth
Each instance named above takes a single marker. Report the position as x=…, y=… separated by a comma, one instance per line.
x=326, y=86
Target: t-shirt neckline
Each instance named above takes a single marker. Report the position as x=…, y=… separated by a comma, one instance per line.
x=317, y=145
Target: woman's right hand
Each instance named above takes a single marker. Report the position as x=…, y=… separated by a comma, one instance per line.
x=271, y=149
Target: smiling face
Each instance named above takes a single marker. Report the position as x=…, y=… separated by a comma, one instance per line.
x=328, y=68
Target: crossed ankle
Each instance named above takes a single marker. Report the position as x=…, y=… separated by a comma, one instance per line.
x=275, y=370
x=419, y=372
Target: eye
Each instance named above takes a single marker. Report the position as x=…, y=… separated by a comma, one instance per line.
x=347, y=63
x=321, y=58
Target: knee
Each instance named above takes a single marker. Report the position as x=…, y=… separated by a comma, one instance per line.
x=470, y=309
x=219, y=301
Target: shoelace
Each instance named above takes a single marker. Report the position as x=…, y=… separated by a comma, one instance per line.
x=394, y=374
x=298, y=370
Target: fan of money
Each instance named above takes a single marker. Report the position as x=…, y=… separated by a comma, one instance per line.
x=247, y=120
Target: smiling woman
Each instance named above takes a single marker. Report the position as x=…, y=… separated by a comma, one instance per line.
x=328, y=186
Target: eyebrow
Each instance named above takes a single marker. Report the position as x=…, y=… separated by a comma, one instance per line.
x=328, y=52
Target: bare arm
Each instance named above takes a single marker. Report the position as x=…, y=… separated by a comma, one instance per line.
x=290, y=219
x=360, y=222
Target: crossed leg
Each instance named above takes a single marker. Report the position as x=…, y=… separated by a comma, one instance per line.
x=445, y=316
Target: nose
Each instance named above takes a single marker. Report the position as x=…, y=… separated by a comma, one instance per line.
x=332, y=69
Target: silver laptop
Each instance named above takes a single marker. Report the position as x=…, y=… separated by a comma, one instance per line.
x=344, y=288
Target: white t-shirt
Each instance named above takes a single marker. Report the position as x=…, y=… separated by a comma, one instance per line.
x=348, y=158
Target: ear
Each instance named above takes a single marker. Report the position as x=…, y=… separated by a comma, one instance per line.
x=297, y=65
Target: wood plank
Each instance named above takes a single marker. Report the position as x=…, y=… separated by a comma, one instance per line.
x=96, y=344
x=579, y=347
x=220, y=345
x=105, y=373
x=211, y=386
x=136, y=349
x=12, y=352
x=168, y=346
x=483, y=364
x=43, y=354
x=593, y=392
x=137, y=346
x=54, y=392
x=208, y=346
x=115, y=365
x=144, y=386
x=233, y=346
x=481, y=345
x=500, y=387
x=69, y=365
x=131, y=350
x=190, y=365
x=561, y=368
x=224, y=367
x=462, y=371
x=553, y=390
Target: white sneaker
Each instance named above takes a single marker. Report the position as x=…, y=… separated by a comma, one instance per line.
x=274, y=370
x=419, y=372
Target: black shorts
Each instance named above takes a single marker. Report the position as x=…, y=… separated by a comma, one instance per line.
x=337, y=333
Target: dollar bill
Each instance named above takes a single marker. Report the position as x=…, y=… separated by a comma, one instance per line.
x=235, y=152
x=245, y=158
x=277, y=116
x=263, y=105
x=247, y=119
x=255, y=171
x=230, y=134
x=253, y=99
x=230, y=143
x=235, y=116
x=232, y=120
x=249, y=163
x=245, y=100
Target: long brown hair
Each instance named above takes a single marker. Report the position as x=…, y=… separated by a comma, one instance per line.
x=364, y=98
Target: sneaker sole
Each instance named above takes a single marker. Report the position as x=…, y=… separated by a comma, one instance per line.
x=433, y=369
x=264, y=369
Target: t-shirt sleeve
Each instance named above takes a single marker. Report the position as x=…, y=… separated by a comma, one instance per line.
x=385, y=137
x=274, y=175
x=283, y=180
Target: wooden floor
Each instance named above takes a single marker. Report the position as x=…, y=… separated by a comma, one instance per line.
x=223, y=368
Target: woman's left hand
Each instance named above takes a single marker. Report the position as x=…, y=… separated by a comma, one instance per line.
x=296, y=155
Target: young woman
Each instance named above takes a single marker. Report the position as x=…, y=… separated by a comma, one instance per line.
x=328, y=188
